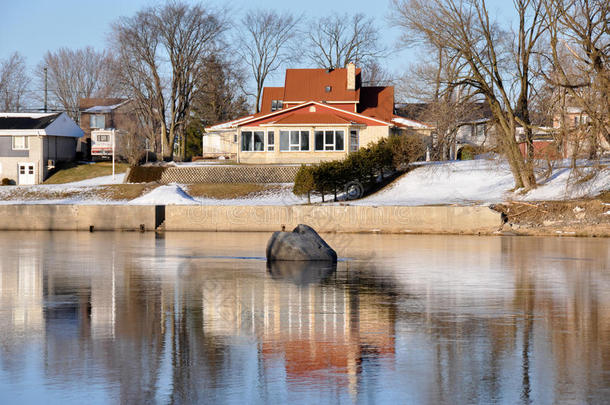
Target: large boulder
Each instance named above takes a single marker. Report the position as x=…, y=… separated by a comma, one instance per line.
x=303, y=243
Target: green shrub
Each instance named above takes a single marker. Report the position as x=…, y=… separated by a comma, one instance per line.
x=304, y=183
x=406, y=149
x=468, y=152
x=363, y=166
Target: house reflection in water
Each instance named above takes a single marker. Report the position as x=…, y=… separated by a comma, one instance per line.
x=320, y=331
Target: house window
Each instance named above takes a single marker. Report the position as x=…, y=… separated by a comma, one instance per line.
x=97, y=121
x=270, y=141
x=252, y=141
x=353, y=137
x=330, y=140
x=102, y=138
x=20, y=143
x=328, y=89
x=480, y=130
x=276, y=105
x=294, y=141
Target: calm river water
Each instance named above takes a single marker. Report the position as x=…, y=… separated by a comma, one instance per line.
x=200, y=318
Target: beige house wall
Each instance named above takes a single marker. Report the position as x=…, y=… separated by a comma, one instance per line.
x=366, y=135
x=373, y=134
x=10, y=165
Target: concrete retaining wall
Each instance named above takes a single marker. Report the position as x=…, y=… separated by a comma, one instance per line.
x=76, y=217
x=333, y=219
x=469, y=220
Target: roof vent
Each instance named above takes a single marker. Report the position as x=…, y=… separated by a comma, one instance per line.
x=312, y=108
x=328, y=89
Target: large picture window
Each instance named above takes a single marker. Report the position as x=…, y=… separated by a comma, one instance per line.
x=294, y=141
x=330, y=140
x=252, y=141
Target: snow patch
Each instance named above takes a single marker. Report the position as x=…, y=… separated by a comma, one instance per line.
x=480, y=182
x=171, y=194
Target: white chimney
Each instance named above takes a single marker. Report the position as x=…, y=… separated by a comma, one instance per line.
x=351, y=76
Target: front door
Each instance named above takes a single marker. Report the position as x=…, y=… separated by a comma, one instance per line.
x=27, y=174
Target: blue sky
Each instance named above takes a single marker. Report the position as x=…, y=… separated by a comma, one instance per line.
x=33, y=27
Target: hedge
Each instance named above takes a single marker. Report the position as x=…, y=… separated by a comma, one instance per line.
x=364, y=166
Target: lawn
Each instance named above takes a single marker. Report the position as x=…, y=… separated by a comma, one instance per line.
x=84, y=172
x=224, y=191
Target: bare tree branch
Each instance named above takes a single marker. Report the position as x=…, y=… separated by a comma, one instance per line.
x=265, y=43
x=161, y=52
x=14, y=82
x=337, y=40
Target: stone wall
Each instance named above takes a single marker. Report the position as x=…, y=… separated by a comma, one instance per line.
x=219, y=174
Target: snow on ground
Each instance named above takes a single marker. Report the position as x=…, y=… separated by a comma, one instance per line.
x=478, y=182
x=483, y=181
x=98, y=181
x=172, y=194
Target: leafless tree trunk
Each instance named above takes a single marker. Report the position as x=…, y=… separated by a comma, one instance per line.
x=265, y=44
x=338, y=39
x=14, y=83
x=466, y=30
x=76, y=74
x=160, y=51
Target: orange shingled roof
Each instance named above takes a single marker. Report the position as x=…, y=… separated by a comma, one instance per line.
x=377, y=102
x=321, y=112
x=311, y=118
x=310, y=84
x=270, y=94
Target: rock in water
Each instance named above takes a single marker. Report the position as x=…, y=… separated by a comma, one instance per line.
x=303, y=243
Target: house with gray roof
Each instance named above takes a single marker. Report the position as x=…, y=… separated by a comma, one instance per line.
x=31, y=144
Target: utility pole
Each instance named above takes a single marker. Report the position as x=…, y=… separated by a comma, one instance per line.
x=45, y=89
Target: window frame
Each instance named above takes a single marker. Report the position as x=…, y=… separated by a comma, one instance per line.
x=325, y=145
x=93, y=119
x=253, y=143
x=26, y=142
x=302, y=134
x=270, y=137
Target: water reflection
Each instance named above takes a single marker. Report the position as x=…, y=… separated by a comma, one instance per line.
x=419, y=319
x=301, y=272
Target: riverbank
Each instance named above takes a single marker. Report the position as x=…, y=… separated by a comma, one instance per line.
x=583, y=217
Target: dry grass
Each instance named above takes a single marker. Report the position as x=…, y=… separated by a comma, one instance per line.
x=84, y=172
x=115, y=192
x=227, y=190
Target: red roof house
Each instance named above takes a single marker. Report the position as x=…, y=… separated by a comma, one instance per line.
x=318, y=115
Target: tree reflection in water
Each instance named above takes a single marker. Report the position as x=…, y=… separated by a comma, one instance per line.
x=428, y=319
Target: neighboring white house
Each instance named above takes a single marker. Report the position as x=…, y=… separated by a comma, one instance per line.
x=31, y=144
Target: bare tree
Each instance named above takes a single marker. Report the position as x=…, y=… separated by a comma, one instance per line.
x=467, y=31
x=74, y=74
x=580, y=63
x=338, y=39
x=160, y=51
x=265, y=44
x=14, y=82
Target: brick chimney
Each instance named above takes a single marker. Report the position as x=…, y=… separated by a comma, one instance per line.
x=351, y=76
